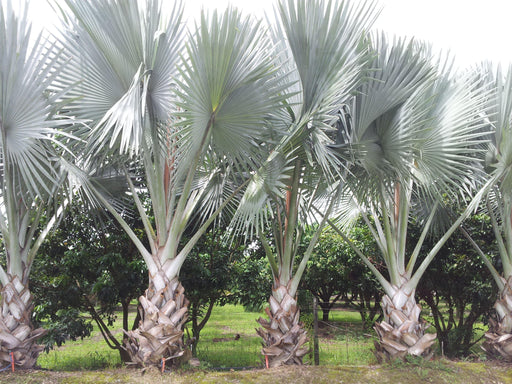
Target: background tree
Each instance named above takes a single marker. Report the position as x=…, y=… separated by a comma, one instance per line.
x=87, y=267
x=326, y=275
x=335, y=274
x=320, y=51
x=32, y=173
x=173, y=109
x=365, y=292
x=253, y=284
x=456, y=286
x=208, y=274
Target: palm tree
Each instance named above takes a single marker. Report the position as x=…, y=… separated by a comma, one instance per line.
x=322, y=50
x=497, y=203
x=413, y=135
x=31, y=172
x=174, y=110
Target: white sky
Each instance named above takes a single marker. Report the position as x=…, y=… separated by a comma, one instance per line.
x=473, y=30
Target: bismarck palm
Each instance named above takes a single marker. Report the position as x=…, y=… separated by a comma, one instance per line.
x=171, y=108
x=31, y=174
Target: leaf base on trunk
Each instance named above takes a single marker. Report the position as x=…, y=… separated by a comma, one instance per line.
x=497, y=344
x=17, y=334
x=498, y=340
x=284, y=336
x=402, y=333
x=160, y=332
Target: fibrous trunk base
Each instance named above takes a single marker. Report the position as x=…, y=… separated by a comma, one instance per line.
x=498, y=340
x=402, y=333
x=160, y=333
x=284, y=336
x=17, y=334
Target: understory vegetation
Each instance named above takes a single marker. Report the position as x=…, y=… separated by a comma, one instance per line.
x=230, y=352
x=229, y=341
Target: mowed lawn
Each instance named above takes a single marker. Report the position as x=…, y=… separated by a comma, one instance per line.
x=342, y=341
x=229, y=352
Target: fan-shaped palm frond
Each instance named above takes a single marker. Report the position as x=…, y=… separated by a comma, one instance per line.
x=27, y=122
x=225, y=87
x=267, y=184
x=453, y=135
x=382, y=134
x=124, y=56
x=323, y=38
x=321, y=51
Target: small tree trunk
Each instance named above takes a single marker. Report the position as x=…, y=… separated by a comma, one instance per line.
x=123, y=353
x=283, y=334
x=17, y=334
x=498, y=340
x=197, y=326
x=316, y=351
x=126, y=305
x=163, y=311
x=326, y=308
x=402, y=332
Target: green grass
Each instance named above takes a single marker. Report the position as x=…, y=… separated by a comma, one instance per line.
x=344, y=316
x=87, y=354
x=80, y=355
x=342, y=342
x=225, y=323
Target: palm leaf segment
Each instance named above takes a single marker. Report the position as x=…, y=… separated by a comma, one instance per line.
x=124, y=58
x=27, y=119
x=225, y=88
x=381, y=132
x=413, y=121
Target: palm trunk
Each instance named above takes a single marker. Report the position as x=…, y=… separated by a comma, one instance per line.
x=17, y=334
x=402, y=332
x=283, y=335
x=163, y=311
x=498, y=340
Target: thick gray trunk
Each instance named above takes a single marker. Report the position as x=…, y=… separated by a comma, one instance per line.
x=17, y=334
x=402, y=332
x=284, y=336
x=160, y=332
x=498, y=340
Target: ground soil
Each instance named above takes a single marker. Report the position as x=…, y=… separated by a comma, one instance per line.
x=437, y=373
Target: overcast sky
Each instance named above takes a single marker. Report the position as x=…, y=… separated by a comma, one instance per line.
x=473, y=30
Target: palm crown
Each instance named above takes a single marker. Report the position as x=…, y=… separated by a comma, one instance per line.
x=30, y=142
